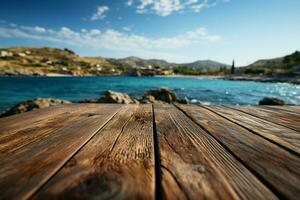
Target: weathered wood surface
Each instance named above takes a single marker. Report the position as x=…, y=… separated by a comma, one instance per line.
x=289, y=120
x=117, y=163
x=280, y=135
x=195, y=162
x=282, y=167
x=110, y=151
x=290, y=109
x=30, y=127
x=30, y=166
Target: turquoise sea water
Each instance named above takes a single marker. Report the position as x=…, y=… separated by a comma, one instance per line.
x=197, y=90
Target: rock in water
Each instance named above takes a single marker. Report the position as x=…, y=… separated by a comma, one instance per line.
x=115, y=97
x=183, y=101
x=162, y=94
x=29, y=105
x=271, y=101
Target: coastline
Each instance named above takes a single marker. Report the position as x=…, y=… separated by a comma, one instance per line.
x=290, y=80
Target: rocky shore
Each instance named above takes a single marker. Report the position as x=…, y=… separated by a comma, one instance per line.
x=33, y=104
x=161, y=95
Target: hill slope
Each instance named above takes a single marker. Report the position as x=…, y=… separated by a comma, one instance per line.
x=205, y=64
x=47, y=61
x=287, y=65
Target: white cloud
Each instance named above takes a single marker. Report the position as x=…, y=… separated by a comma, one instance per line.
x=39, y=29
x=126, y=28
x=199, y=7
x=129, y=2
x=112, y=40
x=94, y=32
x=100, y=14
x=167, y=7
x=189, y=2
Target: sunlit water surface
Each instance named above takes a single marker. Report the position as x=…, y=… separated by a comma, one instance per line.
x=197, y=90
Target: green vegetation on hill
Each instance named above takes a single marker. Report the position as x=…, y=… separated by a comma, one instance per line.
x=285, y=66
x=46, y=61
x=42, y=61
x=202, y=71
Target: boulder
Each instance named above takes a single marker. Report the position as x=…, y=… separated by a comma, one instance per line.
x=271, y=101
x=162, y=94
x=183, y=101
x=148, y=99
x=115, y=97
x=29, y=105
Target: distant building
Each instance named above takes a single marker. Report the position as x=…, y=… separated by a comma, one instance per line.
x=4, y=54
x=21, y=54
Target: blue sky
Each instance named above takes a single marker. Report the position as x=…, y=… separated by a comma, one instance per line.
x=174, y=30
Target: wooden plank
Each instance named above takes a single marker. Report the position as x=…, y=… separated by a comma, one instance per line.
x=29, y=167
x=118, y=163
x=28, y=118
x=288, y=120
x=258, y=154
x=286, y=138
x=195, y=166
x=20, y=131
x=291, y=109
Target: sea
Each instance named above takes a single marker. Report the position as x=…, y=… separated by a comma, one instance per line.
x=197, y=89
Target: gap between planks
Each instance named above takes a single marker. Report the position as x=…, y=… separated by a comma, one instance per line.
x=282, y=179
x=72, y=155
x=41, y=159
x=276, y=134
x=117, y=163
x=187, y=148
x=276, y=121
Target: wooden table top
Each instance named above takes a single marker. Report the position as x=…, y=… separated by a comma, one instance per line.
x=160, y=151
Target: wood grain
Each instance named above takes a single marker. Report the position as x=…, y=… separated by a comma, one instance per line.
x=17, y=135
x=289, y=120
x=290, y=109
x=276, y=167
x=118, y=163
x=286, y=138
x=23, y=172
x=195, y=166
x=28, y=118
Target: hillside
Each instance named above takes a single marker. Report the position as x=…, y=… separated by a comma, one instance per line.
x=136, y=62
x=288, y=65
x=42, y=61
x=205, y=64
x=52, y=61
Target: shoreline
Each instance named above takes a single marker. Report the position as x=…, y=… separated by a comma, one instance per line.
x=289, y=80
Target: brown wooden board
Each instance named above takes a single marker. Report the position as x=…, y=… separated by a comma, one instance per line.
x=288, y=120
x=275, y=166
x=23, y=172
x=285, y=137
x=25, y=129
x=290, y=109
x=27, y=119
x=117, y=163
x=195, y=166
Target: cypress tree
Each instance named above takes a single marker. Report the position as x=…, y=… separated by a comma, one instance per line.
x=232, y=67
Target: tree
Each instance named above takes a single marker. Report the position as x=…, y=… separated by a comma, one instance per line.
x=232, y=67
